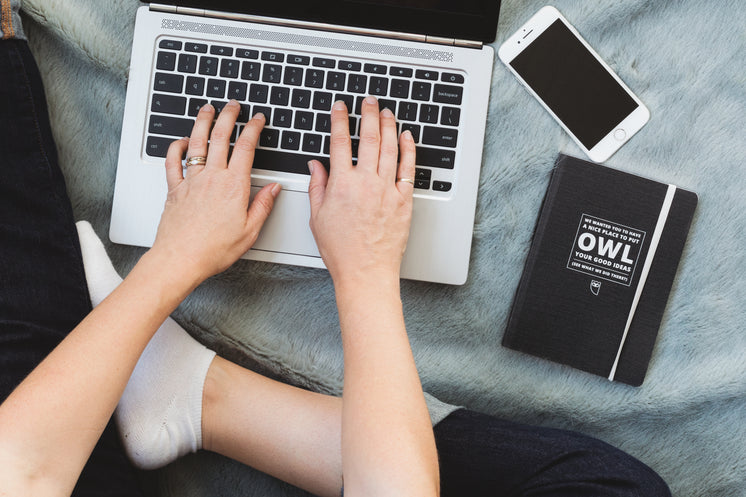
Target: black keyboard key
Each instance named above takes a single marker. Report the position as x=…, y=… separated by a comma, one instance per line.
x=188, y=63
x=171, y=126
x=335, y=80
x=426, y=74
x=290, y=140
x=283, y=118
x=195, y=47
x=168, y=104
x=322, y=100
x=414, y=129
x=357, y=83
x=269, y=138
x=250, y=71
x=245, y=53
x=303, y=120
x=237, y=90
x=273, y=56
x=265, y=111
x=244, y=114
x=293, y=76
x=301, y=98
x=450, y=116
x=312, y=143
x=157, y=146
x=170, y=44
x=195, y=104
x=219, y=106
x=327, y=142
x=166, y=61
x=347, y=65
x=326, y=63
x=216, y=88
x=402, y=72
x=323, y=123
x=171, y=83
x=358, y=105
x=314, y=78
x=422, y=184
x=448, y=94
x=442, y=137
x=422, y=174
x=195, y=86
x=449, y=77
x=300, y=60
x=347, y=99
x=353, y=125
x=407, y=111
x=435, y=157
x=221, y=50
x=272, y=73
x=385, y=103
x=355, y=147
x=279, y=160
x=429, y=113
x=378, y=86
x=279, y=96
x=375, y=68
x=208, y=66
x=441, y=186
x=229, y=68
x=258, y=93
x=421, y=91
x=399, y=88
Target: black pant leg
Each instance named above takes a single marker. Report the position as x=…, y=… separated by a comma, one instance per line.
x=482, y=455
x=43, y=291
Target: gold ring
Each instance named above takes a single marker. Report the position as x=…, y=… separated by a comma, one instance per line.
x=406, y=180
x=196, y=161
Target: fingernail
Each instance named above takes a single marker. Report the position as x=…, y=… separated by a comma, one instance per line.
x=310, y=166
x=370, y=100
x=232, y=102
x=258, y=115
x=339, y=105
x=275, y=189
x=387, y=113
x=207, y=107
x=407, y=135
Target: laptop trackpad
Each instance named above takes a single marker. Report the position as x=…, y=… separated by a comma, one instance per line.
x=286, y=230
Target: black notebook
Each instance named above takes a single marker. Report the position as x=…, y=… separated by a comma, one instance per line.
x=600, y=268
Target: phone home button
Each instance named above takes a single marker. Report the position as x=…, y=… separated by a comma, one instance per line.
x=620, y=134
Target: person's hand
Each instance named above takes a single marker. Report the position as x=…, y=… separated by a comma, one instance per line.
x=207, y=223
x=360, y=215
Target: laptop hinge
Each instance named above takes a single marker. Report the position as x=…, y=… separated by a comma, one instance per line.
x=173, y=9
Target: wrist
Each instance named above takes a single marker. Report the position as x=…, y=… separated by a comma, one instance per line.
x=164, y=271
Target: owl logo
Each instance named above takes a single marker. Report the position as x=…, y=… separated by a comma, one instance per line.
x=595, y=287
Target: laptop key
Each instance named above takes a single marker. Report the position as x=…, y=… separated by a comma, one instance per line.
x=237, y=90
x=229, y=68
x=421, y=90
x=171, y=126
x=219, y=105
x=448, y=94
x=157, y=146
x=303, y=120
x=290, y=140
x=216, y=88
x=375, y=68
x=301, y=98
x=273, y=56
x=272, y=73
x=429, y=114
x=312, y=143
x=449, y=77
x=347, y=65
x=283, y=118
x=291, y=162
x=322, y=62
x=426, y=74
x=323, y=123
x=269, y=138
x=322, y=100
x=422, y=184
x=414, y=129
x=166, y=61
x=378, y=86
x=422, y=173
x=245, y=53
x=442, y=137
x=168, y=104
x=170, y=44
x=385, y=103
x=347, y=99
x=279, y=96
x=293, y=76
x=195, y=86
x=195, y=47
x=407, y=111
x=450, y=116
x=221, y=50
x=403, y=72
x=266, y=111
x=357, y=83
x=208, y=66
x=441, y=186
x=187, y=63
x=258, y=93
x=301, y=60
x=399, y=88
x=250, y=71
x=195, y=104
x=171, y=83
x=314, y=78
x=335, y=80
x=435, y=157
x=244, y=114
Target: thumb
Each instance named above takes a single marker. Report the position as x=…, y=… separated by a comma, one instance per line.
x=261, y=206
x=317, y=186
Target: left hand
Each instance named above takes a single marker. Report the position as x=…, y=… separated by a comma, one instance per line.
x=207, y=223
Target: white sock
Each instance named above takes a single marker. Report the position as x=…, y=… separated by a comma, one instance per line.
x=160, y=413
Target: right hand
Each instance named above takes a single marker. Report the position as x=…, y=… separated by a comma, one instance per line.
x=360, y=215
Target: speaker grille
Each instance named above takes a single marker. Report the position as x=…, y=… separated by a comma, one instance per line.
x=259, y=34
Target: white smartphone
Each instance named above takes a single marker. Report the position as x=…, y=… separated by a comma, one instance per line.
x=572, y=82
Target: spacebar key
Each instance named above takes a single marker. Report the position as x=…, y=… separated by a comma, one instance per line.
x=277, y=160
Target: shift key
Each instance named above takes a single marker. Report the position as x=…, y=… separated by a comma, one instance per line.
x=171, y=126
x=435, y=157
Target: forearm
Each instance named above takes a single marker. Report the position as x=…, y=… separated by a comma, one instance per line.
x=387, y=440
x=51, y=422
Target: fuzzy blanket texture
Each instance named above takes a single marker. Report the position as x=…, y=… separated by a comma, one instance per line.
x=684, y=58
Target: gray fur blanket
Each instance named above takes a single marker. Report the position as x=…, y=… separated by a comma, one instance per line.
x=686, y=61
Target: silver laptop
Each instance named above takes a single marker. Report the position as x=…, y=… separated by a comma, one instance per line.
x=426, y=60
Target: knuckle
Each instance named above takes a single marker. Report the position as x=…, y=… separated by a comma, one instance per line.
x=389, y=149
x=220, y=134
x=198, y=143
x=245, y=144
x=369, y=138
x=340, y=139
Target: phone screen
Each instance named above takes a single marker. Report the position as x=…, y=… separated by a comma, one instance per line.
x=571, y=82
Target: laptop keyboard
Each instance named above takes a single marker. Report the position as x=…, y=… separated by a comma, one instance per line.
x=295, y=92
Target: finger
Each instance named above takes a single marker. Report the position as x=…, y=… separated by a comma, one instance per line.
x=220, y=137
x=370, y=136
x=243, y=152
x=260, y=209
x=317, y=185
x=200, y=134
x=340, y=153
x=174, y=169
x=389, y=149
x=407, y=153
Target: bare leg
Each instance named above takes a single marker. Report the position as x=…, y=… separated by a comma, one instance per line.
x=289, y=433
